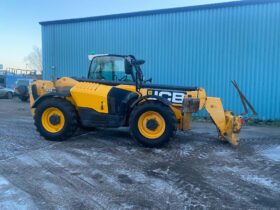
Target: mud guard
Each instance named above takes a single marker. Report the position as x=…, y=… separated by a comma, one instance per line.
x=48, y=95
x=149, y=97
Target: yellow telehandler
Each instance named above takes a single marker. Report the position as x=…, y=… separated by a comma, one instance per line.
x=115, y=94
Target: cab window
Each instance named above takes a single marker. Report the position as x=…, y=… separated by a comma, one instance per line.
x=109, y=68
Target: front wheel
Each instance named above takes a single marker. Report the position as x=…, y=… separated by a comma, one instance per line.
x=56, y=119
x=152, y=124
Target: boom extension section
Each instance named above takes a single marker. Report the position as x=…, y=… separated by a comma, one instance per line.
x=228, y=124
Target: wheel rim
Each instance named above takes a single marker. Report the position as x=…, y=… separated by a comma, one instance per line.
x=48, y=120
x=155, y=130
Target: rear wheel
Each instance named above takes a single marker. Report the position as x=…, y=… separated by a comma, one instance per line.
x=56, y=119
x=152, y=124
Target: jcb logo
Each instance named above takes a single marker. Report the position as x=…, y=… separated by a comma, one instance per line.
x=174, y=97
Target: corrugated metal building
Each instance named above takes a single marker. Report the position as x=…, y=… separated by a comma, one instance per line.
x=203, y=46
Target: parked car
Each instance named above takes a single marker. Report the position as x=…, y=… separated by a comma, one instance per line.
x=21, y=89
x=6, y=92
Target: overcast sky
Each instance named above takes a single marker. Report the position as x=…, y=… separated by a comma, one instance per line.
x=19, y=19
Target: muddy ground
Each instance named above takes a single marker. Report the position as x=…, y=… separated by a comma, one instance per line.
x=105, y=169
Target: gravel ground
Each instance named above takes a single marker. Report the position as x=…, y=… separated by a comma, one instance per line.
x=105, y=169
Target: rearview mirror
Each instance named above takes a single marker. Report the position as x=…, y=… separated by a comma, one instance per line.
x=138, y=62
x=128, y=67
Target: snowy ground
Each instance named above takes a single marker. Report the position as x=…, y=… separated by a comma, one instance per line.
x=105, y=169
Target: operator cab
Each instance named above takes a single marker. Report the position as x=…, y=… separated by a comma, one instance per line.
x=114, y=68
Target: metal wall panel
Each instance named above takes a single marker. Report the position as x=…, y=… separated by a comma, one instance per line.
x=204, y=48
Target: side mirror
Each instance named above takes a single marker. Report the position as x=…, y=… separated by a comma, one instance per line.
x=128, y=67
x=149, y=80
x=138, y=62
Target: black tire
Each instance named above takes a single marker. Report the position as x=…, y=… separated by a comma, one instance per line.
x=9, y=95
x=166, y=113
x=23, y=90
x=70, y=119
